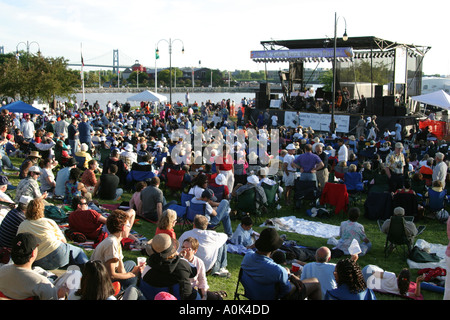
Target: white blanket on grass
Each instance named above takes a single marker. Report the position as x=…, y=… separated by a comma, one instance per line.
x=305, y=227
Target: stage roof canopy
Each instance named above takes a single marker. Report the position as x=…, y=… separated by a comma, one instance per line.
x=361, y=47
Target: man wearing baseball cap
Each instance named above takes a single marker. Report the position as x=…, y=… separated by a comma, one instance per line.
x=7, y=202
x=30, y=186
x=18, y=281
x=217, y=215
x=11, y=222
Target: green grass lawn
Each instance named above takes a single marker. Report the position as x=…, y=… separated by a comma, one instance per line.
x=435, y=232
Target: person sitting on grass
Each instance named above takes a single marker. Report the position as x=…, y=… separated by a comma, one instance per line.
x=350, y=283
x=244, y=234
x=88, y=178
x=350, y=230
x=85, y=220
x=74, y=187
x=10, y=224
x=189, y=249
x=167, y=268
x=167, y=222
x=135, y=201
x=109, y=251
x=19, y=281
x=212, y=246
x=261, y=275
x=107, y=185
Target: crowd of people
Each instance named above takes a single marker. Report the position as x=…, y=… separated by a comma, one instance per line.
x=83, y=154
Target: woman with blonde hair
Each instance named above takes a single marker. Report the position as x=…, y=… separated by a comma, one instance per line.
x=54, y=251
x=167, y=223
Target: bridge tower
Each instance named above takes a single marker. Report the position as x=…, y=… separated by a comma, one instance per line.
x=2, y=50
x=116, y=61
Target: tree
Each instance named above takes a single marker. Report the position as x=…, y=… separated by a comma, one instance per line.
x=143, y=78
x=164, y=75
x=34, y=77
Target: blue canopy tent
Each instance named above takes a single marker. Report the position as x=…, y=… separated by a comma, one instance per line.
x=21, y=107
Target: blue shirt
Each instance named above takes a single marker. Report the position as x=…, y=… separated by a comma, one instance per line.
x=307, y=161
x=85, y=129
x=343, y=293
x=242, y=237
x=324, y=272
x=260, y=275
x=61, y=178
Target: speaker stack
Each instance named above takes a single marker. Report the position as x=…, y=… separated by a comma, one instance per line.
x=263, y=96
x=389, y=106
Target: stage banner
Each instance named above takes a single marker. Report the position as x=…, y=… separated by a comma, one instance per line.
x=341, y=52
x=317, y=121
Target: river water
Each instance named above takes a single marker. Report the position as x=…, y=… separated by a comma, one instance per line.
x=121, y=97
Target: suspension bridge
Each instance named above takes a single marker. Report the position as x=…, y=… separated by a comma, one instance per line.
x=104, y=61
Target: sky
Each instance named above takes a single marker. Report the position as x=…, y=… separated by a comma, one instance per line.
x=217, y=34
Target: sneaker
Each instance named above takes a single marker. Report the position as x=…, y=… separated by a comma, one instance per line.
x=222, y=273
x=14, y=168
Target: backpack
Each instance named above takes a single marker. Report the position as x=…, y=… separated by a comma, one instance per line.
x=55, y=213
x=420, y=255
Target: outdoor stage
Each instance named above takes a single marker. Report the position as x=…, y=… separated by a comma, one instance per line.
x=357, y=63
x=346, y=122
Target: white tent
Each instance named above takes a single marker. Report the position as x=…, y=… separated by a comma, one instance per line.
x=147, y=96
x=438, y=99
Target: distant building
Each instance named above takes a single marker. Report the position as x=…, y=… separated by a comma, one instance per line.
x=432, y=84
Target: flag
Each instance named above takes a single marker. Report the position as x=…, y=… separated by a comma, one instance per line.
x=82, y=65
x=156, y=54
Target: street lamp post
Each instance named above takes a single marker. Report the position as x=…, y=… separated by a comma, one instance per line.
x=137, y=74
x=27, y=44
x=345, y=38
x=170, y=42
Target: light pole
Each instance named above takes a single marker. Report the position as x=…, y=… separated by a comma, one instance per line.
x=27, y=44
x=137, y=74
x=170, y=42
x=345, y=38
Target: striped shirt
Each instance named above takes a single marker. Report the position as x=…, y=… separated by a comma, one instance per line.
x=9, y=226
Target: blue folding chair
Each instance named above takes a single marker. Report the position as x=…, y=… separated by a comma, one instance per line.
x=186, y=198
x=218, y=192
x=435, y=200
x=194, y=209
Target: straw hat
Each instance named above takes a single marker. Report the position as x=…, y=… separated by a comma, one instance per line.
x=34, y=154
x=162, y=244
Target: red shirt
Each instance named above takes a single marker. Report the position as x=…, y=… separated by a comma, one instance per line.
x=86, y=222
x=170, y=232
x=226, y=165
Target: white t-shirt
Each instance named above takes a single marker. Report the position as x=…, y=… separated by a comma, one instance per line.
x=388, y=283
x=274, y=120
x=289, y=158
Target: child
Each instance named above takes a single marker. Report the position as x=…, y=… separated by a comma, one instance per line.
x=189, y=248
x=167, y=222
x=136, y=198
x=243, y=235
